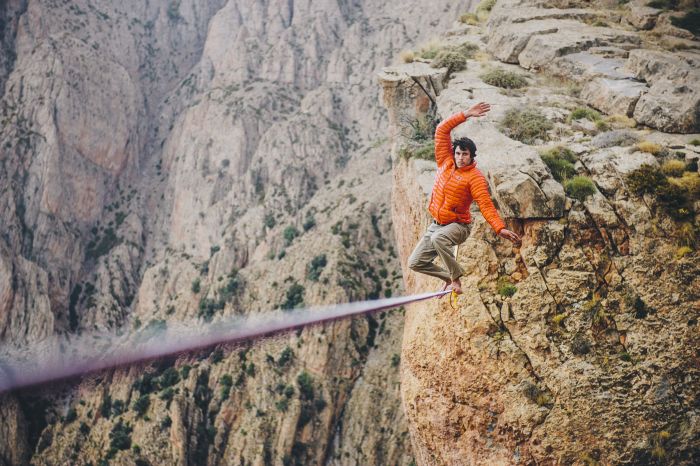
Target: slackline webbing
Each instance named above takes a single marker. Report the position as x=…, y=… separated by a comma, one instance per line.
x=66, y=356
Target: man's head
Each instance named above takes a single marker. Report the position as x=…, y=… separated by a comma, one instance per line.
x=464, y=150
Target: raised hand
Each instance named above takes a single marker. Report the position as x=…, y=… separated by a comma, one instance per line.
x=477, y=110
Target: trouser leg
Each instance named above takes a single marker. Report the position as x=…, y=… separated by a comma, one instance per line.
x=443, y=240
x=421, y=259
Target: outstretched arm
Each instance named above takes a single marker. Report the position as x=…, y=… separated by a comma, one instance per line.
x=480, y=193
x=443, y=140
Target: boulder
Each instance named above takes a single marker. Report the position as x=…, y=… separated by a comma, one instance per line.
x=672, y=103
x=652, y=65
x=671, y=107
x=642, y=16
x=613, y=96
x=571, y=37
x=582, y=66
x=508, y=41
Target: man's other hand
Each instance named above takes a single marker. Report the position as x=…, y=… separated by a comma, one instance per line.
x=480, y=109
x=509, y=235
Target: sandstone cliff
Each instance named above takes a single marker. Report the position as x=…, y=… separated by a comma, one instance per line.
x=163, y=160
x=580, y=347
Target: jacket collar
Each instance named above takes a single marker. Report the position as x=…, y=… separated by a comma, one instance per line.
x=471, y=166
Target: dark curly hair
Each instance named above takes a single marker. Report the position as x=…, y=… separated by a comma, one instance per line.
x=464, y=144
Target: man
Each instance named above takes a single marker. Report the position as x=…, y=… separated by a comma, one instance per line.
x=457, y=183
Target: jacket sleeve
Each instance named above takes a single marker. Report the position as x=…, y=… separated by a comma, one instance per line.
x=443, y=140
x=480, y=193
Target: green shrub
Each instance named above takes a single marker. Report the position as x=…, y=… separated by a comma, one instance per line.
x=579, y=187
x=167, y=394
x=282, y=405
x=504, y=79
x=525, y=124
x=450, y=59
x=120, y=436
x=269, y=220
x=560, y=162
x=294, y=297
x=106, y=406
x=226, y=384
x=395, y=360
x=431, y=49
x=315, y=267
x=424, y=152
x=196, y=286
x=141, y=405
x=580, y=113
x=169, y=377
x=645, y=180
x=694, y=142
x=289, y=234
x=505, y=287
x=117, y=407
x=306, y=388
x=285, y=356
x=309, y=223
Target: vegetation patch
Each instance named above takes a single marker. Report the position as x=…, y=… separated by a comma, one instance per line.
x=584, y=113
x=407, y=56
x=504, y=79
x=526, y=125
x=650, y=147
x=579, y=187
x=294, y=297
x=120, y=438
x=424, y=152
x=452, y=57
x=505, y=287
x=673, y=168
x=315, y=267
x=560, y=161
x=469, y=18
x=675, y=195
x=614, y=138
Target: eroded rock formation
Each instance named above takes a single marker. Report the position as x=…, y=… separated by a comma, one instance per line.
x=580, y=347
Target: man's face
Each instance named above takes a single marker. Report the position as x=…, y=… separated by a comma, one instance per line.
x=462, y=157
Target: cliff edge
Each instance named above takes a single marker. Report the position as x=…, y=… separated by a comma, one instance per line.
x=580, y=347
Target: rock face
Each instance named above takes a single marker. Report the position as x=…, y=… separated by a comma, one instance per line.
x=567, y=42
x=590, y=355
x=163, y=160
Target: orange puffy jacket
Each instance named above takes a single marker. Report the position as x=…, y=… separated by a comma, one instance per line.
x=455, y=188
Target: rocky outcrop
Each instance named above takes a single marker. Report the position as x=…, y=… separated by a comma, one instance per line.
x=565, y=42
x=672, y=102
x=572, y=363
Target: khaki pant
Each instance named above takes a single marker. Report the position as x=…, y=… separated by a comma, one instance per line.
x=439, y=241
